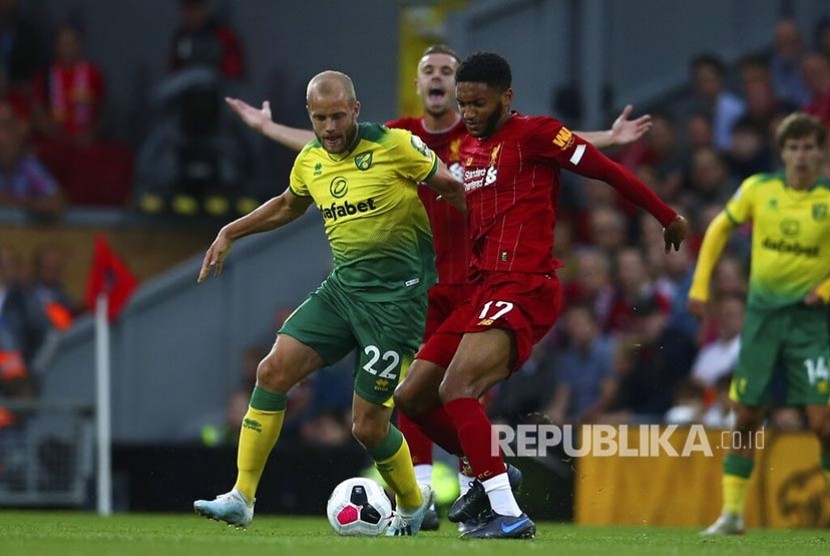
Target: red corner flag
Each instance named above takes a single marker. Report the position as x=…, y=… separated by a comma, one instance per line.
x=109, y=274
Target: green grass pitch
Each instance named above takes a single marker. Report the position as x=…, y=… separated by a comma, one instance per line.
x=35, y=533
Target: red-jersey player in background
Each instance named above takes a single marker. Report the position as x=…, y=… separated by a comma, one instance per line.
x=443, y=130
x=511, y=176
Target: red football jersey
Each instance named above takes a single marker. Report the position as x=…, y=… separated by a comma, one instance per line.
x=512, y=184
x=72, y=96
x=449, y=227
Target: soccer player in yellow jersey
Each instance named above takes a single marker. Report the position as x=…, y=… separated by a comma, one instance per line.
x=364, y=180
x=786, y=317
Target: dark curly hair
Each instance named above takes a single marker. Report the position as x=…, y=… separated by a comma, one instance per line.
x=485, y=67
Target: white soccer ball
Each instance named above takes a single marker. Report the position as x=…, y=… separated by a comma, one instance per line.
x=359, y=506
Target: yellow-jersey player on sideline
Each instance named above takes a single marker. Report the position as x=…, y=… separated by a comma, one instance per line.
x=789, y=285
x=364, y=180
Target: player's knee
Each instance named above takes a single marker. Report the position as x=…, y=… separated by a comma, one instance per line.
x=268, y=376
x=452, y=388
x=406, y=400
x=368, y=433
x=748, y=418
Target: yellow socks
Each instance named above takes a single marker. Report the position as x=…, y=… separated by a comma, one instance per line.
x=734, y=494
x=394, y=463
x=260, y=430
x=736, y=473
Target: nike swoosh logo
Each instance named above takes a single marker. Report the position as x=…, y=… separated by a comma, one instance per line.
x=513, y=527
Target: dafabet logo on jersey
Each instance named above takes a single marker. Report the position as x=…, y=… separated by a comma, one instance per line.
x=338, y=187
x=790, y=227
x=336, y=210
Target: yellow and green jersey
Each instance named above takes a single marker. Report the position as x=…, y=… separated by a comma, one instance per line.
x=790, y=237
x=368, y=197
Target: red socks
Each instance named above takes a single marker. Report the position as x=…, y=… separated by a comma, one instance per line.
x=474, y=432
x=438, y=426
x=420, y=446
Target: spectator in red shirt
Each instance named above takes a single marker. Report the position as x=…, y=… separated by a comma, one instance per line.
x=67, y=117
x=69, y=95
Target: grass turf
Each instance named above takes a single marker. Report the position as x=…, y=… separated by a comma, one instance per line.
x=35, y=533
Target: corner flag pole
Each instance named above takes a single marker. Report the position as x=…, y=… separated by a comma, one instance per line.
x=102, y=412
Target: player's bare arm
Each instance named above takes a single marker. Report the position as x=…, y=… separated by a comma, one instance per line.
x=623, y=131
x=448, y=187
x=259, y=119
x=272, y=214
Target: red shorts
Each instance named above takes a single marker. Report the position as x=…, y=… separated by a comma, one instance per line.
x=443, y=300
x=525, y=304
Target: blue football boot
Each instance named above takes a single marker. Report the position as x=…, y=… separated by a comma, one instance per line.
x=473, y=504
x=495, y=526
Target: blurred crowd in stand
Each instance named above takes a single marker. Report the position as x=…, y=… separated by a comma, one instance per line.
x=625, y=348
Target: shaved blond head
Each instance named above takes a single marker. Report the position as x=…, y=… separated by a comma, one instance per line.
x=331, y=84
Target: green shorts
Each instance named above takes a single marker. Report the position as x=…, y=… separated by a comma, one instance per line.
x=386, y=335
x=794, y=338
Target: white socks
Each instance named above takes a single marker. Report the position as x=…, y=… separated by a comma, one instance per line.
x=501, y=496
x=464, y=482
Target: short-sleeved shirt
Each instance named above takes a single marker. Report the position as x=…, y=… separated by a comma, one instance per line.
x=449, y=226
x=377, y=227
x=790, y=238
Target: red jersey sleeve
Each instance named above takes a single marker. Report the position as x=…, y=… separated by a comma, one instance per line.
x=554, y=142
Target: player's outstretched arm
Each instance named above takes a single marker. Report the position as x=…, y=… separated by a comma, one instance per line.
x=448, y=187
x=717, y=234
x=623, y=131
x=270, y=215
x=586, y=160
x=259, y=119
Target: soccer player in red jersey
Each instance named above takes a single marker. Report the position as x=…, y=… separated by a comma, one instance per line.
x=443, y=130
x=511, y=176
